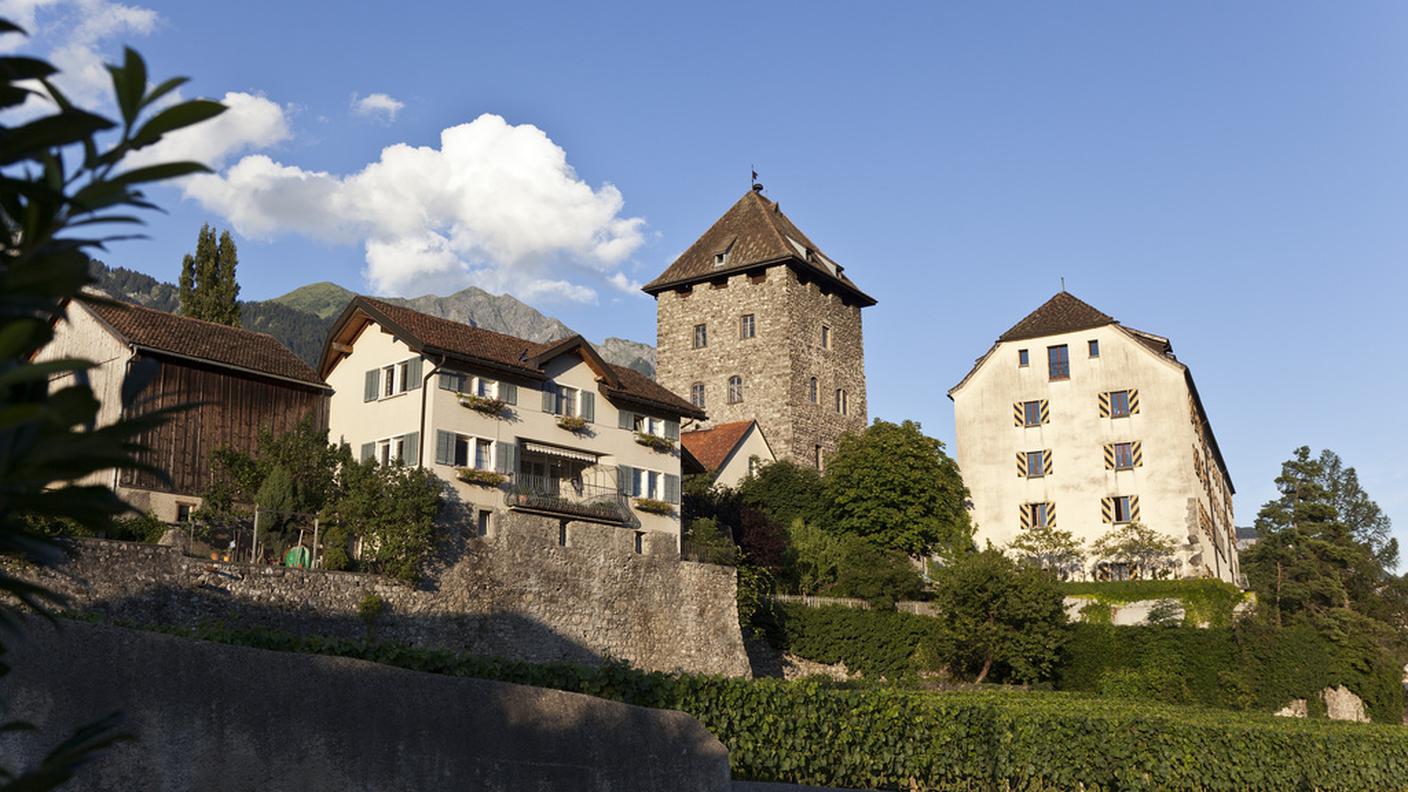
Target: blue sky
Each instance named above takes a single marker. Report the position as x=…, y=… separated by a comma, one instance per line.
x=1231, y=175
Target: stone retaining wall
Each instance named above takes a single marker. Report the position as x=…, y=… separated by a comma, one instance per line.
x=520, y=595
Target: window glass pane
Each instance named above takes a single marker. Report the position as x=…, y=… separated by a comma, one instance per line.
x=1095, y=349
x=1039, y=515
x=1058, y=362
x=482, y=456
x=461, y=451
x=1119, y=404
x=1122, y=509
x=1032, y=412
x=701, y=336
x=1124, y=455
x=1022, y=357
x=1035, y=468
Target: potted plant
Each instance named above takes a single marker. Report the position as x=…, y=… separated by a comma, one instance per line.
x=652, y=506
x=572, y=423
x=483, y=478
x=656, y=442
x=484, y=404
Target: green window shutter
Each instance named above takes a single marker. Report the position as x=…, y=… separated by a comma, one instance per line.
x=373, y=385
x=625, y=420
x=506, y=454
x=549, y=397
x=368, y=451
x=508, y=392
x=672, y=430
x=672, y=488
x=410, y=451
x=413, y=373
x=1021, y=464
x=1018, y=414
x=588, y=410
x=624, y=476
x=1104, y=404
x=444, y=447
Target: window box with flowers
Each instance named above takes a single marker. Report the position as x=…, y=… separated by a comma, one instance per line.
x=662, y=444
x=572, y=423
x=485, y=404
x=483, y=478
x=652, y=506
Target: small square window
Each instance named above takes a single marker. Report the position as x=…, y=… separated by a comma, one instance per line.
x=1023, y=359
x=1119, y=404
x=183, y=512
x=1124, y=456
x=1094, y=348
x=701, y=336
x=1122, y=509
x=1058, y=362
x=1036, y=464
x=1031, y=413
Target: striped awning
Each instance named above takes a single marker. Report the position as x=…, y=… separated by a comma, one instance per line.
x=560, y=452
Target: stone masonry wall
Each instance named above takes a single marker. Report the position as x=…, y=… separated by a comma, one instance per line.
x=518, y=595
x=776, y=365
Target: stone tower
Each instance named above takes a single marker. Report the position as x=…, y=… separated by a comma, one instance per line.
x=754, y=322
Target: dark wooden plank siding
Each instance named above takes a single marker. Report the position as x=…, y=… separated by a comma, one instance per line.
x=230, y=411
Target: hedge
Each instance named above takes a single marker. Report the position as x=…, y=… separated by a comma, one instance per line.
x=875, y=643
x=886, y=737
x=1249, y=666
x=1204, y=601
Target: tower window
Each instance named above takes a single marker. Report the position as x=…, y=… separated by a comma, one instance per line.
x=811, y=390
x=696, y=394
x=747, y=328
x=841, y=406
x=825, y=336
x=701, y=336
x=735, y=389
x=1058, y=362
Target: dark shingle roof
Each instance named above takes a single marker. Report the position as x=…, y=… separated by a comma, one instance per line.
x=713, y=446
x=425, y=332
x=753, y=231
x=1064, y=313
x=217, y=344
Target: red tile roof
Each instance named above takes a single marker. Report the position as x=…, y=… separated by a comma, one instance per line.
x=210, y=342
x=753, y=231
x=425, y=332
x=1064, y=313
x=713, y=446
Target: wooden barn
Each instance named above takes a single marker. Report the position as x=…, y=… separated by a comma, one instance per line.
x=239, y=382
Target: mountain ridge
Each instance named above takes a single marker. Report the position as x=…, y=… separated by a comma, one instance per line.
x=301, y=318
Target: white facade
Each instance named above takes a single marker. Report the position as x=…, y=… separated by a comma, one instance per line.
x=423, y=419
x=1169, y=471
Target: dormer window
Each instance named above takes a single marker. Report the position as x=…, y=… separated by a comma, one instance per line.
x=721, y=255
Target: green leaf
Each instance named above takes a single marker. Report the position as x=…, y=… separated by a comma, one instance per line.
x=150, y=173
x=49, y=133
x=129, y=81
x=174, y=118
x=164, y=89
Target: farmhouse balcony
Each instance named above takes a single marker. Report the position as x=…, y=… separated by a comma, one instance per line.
x=591, y=498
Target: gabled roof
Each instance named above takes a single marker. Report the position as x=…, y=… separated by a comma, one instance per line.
x=216, y=344
x=753, y=232
x=475, y=346
x=712, y=447
x=1063, y=313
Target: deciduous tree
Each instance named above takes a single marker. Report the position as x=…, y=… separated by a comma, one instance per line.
x=1144, y=552
x=1045, y=547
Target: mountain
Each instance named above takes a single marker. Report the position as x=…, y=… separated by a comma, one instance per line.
x=301, y=319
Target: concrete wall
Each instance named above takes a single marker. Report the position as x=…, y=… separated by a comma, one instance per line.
x=224, y=718
x=1171, y=492
x=776, y=365
x=519, y=595
x=355, y=422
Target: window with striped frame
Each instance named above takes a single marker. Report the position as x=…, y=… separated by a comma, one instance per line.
x=1124, y=456
x=1034, y=464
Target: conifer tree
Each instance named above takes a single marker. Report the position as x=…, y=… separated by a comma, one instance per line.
x=208, y=289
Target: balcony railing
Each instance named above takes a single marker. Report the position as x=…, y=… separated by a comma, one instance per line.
x=591, y=499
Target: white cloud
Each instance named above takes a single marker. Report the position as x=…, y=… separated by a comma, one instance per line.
x=378, y=106
x=250, y=122
x=77, y=33
x=496, y=205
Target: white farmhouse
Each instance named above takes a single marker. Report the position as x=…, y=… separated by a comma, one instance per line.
x=1072, y=419
x=546, y=429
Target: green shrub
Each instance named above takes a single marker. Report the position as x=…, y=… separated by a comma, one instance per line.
x=1249, y=666
x=875, y=643
x=810, y=732
x=1204, y=601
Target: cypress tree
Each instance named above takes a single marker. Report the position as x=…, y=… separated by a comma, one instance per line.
x=206, y=304
x=187, y=287
x=227, y=291
x=208, y=288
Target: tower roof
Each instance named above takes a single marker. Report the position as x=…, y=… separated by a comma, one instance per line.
x=1063, y=313
x=753, y=232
